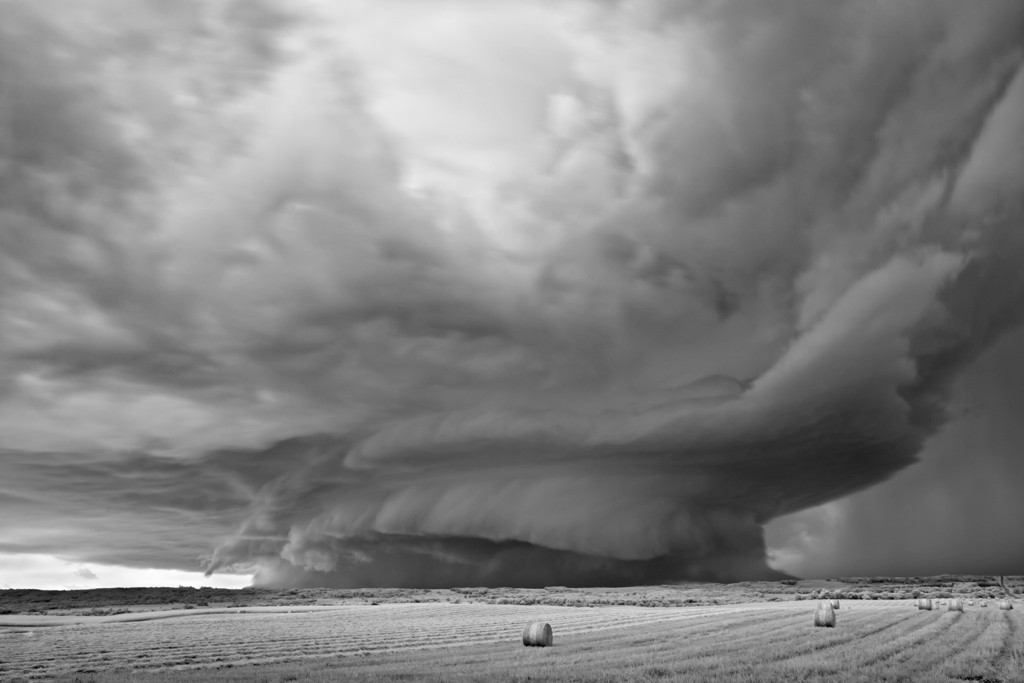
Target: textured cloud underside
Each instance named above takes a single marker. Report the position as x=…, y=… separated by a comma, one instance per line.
x=404, y=293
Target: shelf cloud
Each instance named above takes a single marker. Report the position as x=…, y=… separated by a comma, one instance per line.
x=503, y=293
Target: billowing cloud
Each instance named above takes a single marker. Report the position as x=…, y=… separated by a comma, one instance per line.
x=85, y=573
x=415, y=293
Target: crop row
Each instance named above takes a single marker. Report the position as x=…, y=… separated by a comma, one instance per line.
x=239, y=637
x=894, y=634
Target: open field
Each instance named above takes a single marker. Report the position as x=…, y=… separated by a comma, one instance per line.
x=108, y=601
x=877, y=640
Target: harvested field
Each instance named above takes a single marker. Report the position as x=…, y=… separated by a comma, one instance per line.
x=881, y=640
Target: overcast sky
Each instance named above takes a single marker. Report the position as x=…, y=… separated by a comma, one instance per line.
x=455, y=292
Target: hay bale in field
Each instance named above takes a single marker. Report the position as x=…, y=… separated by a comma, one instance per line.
x=970, y=603
x=983, y=603
x=825, y=615
x=537, y=634
x=956, y=605
x=1005, y=604
x=924, y=603
x=835, y=603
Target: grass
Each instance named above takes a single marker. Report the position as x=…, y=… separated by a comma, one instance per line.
x=80, y=602
x=766, y=641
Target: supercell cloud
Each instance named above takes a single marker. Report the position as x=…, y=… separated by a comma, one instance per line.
x=508, y=293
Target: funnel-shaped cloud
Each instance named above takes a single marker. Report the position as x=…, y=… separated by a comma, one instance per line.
x=516, y=293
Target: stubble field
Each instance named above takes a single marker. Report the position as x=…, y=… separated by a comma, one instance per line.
x=885, y=640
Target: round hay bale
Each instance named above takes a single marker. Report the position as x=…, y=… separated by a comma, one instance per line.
x=825, y=615
x=956, y=605
x=1005, y=604
x=537, y=634
x=835, y=603
x=983, y=603
x=970, y=603
x=924, y=603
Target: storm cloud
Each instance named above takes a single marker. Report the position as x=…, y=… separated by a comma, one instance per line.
x=509, y=293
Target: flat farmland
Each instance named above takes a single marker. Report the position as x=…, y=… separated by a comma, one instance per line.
x=774, y=641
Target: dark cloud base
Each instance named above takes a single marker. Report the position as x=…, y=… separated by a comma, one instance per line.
x=256, y=316
x=417, y=562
